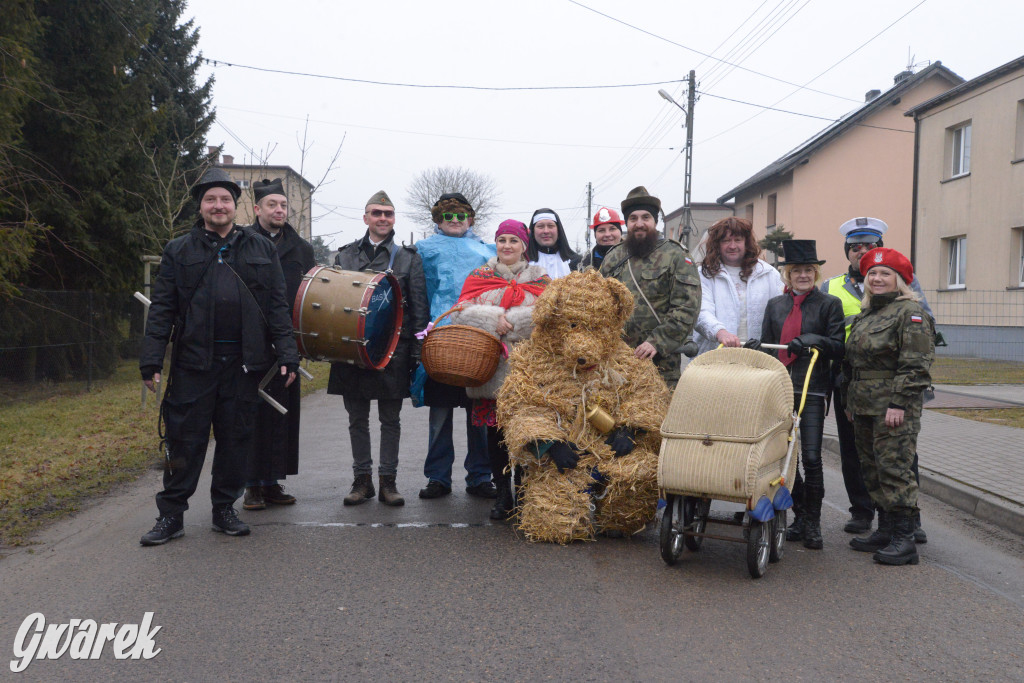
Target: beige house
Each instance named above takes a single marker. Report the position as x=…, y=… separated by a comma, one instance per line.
x=860, y=166
x=298, y=190
x=702, y=215
x=968, y=231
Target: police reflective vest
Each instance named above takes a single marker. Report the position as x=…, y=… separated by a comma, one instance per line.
x=849, y=293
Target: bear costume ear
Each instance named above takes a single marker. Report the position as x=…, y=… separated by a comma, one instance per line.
x=623, y=299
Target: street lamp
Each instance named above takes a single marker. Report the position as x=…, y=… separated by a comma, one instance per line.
x=686, y=221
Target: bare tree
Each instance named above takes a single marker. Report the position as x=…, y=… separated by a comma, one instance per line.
x=479, y=188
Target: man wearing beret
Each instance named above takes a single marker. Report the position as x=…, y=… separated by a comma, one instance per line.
x=663, y=281
x=275, y=453
x=221, y=292
x=377, y=251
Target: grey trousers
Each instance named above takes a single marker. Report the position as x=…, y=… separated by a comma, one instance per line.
x=359, y=433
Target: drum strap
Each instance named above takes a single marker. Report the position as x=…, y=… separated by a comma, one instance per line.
x=394, y=252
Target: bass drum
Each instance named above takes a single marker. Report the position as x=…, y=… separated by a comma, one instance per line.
x=346, y=316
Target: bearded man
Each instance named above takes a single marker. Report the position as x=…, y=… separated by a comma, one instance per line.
x=660, y=275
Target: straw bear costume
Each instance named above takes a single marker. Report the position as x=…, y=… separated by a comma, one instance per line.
x=575, y=360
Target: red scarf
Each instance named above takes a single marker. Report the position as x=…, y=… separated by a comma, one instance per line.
x=484, y=280
x=791, y=328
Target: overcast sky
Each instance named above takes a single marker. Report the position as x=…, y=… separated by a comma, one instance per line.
x=543, y=146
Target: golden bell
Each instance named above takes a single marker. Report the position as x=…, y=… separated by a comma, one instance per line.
x=599, y=419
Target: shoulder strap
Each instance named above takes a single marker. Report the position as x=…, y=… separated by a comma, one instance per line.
x=643, y=296
x=394, y=252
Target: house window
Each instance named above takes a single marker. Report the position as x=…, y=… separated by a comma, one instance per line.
x=957, y=249
x=772, y=203
x=244, y=184
x=960, y=149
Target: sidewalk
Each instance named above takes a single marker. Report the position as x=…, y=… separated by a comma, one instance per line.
x=975, y=466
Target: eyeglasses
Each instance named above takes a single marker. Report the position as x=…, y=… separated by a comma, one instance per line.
x=866, y=246
x=454, y=217
x=377, y=213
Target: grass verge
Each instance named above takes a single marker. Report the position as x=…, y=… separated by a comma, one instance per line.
x=976, y=371
x=62, y=449
x=1008, y=417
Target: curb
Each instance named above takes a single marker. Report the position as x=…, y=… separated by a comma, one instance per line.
x=962, y=496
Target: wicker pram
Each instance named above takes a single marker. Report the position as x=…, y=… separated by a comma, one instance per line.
x=726, y=437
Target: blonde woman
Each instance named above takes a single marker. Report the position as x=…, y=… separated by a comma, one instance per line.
x=804, y=317
x=887, y=367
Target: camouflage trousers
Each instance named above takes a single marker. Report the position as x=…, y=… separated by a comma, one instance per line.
x=669, y=367
x=886, y=456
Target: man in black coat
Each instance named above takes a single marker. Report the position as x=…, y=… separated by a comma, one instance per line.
x=275, y=452
x=221, y=290
x=377, y=251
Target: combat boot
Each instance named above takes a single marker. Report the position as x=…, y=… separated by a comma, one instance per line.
x=389, y=492
x=880, y=538
x=902, y=549
x=812, y=517
x=795, y=531
x=919, y=535
x=362, y=490
x=225, y=520
x=504, y=504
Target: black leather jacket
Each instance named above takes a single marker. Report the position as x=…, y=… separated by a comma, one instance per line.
x=184, y=273
x=822, y=315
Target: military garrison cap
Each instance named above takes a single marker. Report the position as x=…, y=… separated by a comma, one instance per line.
x=381, y=198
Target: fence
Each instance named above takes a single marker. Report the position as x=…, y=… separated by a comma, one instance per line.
x=60, y=336
x=980, y=323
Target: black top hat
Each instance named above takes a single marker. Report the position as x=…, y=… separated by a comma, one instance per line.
x=215, y=177
x=800, y=252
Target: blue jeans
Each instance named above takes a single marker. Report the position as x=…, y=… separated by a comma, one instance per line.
x=441, y=450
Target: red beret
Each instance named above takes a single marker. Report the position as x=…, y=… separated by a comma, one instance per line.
x=890, y=258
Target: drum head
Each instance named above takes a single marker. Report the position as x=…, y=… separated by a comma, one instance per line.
x=382, y=321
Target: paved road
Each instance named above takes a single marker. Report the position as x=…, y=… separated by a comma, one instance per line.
x=434, y=591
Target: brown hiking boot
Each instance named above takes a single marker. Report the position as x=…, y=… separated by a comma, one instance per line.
x=275, y=495
x=388, y=493
x=362, y=490
x=254, y=498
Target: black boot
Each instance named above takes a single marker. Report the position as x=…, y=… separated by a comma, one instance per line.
x=389, y=492
x=919, y=535
x=902, y=549
x=880, y=538
x=795, y=531
x=362, y=490
x=167, y=527
x=504, y=504
x=813, y=496
x=225, y=520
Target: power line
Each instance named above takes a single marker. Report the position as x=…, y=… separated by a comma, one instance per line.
x=704, y=54
x=435, y=135
x=218, y=62
x=797, y=113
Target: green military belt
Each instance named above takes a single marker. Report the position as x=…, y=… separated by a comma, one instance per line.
x=873, y=374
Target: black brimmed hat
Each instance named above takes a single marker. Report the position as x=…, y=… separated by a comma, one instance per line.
x=215, y=177
x=800, y=253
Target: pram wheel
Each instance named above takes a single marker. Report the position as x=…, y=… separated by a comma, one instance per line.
x=778, y=536
x=759, y=539
x=695, y=519
x=671, y=537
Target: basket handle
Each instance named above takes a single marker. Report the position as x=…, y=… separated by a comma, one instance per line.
x=430, y=326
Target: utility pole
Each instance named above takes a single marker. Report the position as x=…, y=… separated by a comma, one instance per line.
x=590, y=211
x=686, y=227
x=687, y=223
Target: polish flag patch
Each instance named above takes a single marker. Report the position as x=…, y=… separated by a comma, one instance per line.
x=689, y=261
x=915, y=318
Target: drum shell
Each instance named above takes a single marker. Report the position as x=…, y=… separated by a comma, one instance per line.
x=330, y=316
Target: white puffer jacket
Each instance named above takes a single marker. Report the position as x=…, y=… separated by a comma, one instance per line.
x=485, y=310
x=719, y=305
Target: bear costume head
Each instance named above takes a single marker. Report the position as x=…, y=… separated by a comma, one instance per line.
x=579, y=318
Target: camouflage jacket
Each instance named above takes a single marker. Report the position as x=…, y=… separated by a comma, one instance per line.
x=671, y=284
x=888, y=357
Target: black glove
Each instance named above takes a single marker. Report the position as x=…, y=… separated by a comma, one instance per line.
x=801, y=346
x=149, y=371
x=623, y=440
x=752, y=344
x=291, y=368
x=563, y=455
x=414, y=364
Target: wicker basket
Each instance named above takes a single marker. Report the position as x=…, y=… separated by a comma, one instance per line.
x=460, y=355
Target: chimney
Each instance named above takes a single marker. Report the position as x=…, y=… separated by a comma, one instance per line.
x=214, y=152
x=902, y=76
x=228, y=159
x=871, y=94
